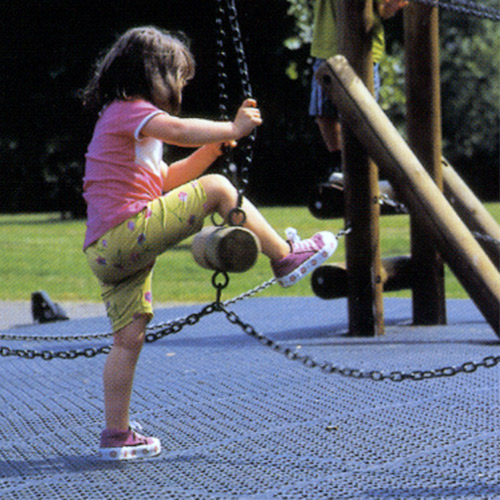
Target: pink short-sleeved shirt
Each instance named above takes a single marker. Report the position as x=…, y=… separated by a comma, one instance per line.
x=123, y=170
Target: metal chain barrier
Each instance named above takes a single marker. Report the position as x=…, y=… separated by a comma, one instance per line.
x=376, y=376
x=464, y=7
x=161, y=330
x=151, y=328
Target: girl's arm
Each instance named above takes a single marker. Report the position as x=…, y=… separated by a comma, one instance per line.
x=193, y=166
x=194, y=132
x=387, y=8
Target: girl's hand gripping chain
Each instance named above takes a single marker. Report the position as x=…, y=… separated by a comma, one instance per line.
x=247, y=118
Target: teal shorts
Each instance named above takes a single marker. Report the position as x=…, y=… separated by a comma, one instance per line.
x=123, y=258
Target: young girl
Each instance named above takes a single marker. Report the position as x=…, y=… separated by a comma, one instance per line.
x=138, y=207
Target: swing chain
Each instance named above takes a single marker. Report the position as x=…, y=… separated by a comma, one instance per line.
x=219, y=285
x=239, y=171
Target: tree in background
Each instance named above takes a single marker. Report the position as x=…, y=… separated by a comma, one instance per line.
x=47, y=49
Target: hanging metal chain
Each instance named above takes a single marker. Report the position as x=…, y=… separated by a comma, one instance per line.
x=227, y=16
x=464, y=7
x=152, y=328
x=48, y=355
x=400, y=208
x=169, y=329
x=56, y=338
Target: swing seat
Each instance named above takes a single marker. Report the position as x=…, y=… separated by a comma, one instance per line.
x=226, y=249
x=326, y=200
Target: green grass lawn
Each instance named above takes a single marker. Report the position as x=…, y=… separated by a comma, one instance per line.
x=43, y=252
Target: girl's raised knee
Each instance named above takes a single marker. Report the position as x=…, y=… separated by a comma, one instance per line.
x=219, y=186
x=217, y=180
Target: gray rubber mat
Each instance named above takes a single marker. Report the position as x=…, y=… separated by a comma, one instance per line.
x=238, y=420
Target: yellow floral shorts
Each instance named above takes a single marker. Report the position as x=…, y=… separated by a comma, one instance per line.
x=124, y=257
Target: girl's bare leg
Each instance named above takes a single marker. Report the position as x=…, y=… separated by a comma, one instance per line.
x=119, y=372
x=222, y=197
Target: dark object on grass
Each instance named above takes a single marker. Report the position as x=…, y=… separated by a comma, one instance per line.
x=44, y=310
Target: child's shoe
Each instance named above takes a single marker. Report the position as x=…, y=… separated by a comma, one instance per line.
x=127, y=445
x=304, y=258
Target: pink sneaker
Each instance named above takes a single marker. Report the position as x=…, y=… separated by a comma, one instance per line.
x=304, y=258
x=127, y=445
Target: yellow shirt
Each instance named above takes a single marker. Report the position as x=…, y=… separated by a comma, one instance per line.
x=324, y=42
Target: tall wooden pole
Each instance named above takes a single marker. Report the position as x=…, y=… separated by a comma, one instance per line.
x=423, y=103
x=364, y=271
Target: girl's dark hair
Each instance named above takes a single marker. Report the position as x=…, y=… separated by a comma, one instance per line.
x=144, y=62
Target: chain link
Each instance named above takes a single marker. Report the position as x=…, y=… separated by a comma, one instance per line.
x=399, y=208
x=486, y=237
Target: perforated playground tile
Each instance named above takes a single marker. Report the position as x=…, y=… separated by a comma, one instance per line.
x=240, y=421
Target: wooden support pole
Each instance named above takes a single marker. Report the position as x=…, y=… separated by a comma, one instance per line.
x=415, y=188
x=365, y=300
x=423, y=105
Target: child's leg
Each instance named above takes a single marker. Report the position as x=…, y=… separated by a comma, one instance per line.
x=330, y=132
x=119, y=372
x=222, y=197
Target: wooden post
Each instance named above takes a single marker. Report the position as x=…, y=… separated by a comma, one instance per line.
x=415, y=188
x=423, y=104
x=365, y=300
